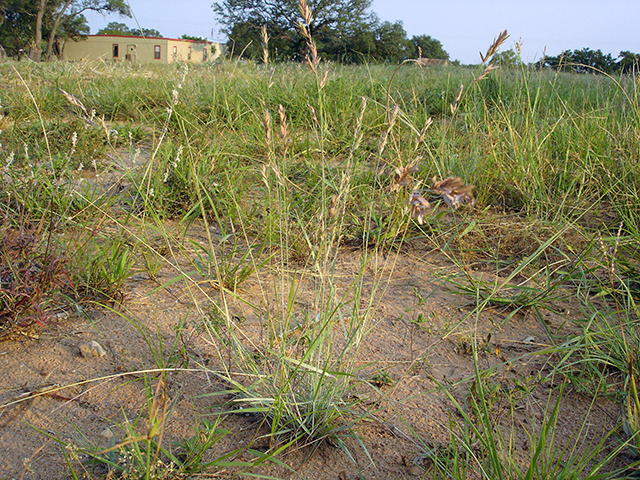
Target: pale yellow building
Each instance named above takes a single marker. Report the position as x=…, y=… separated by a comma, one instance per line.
x=122, y=48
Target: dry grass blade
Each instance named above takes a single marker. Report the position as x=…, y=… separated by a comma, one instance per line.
x=454, y=105
x=74, y=101
x=493, y=48
x=453, y=191
x=392, y=121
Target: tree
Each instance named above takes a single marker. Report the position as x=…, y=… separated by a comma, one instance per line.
x=428, y=47
x=332, y=20
x=628, y=62
x=17, y=27
x=115, y=28
x=586, y=60
x=391, y=43
x=508, y=58
x=66, y=10
x=191, y=37
x=146, y=32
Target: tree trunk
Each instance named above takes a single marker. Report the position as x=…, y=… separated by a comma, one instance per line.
x=37, y=47
x=54, y=28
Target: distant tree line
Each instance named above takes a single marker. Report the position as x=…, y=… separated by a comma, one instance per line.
x=592, y=61
x=35, y=27
x=342, y=29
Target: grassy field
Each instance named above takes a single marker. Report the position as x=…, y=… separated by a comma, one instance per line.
x=106, y=168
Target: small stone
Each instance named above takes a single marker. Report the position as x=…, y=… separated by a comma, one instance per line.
x=529, y=339
x=107, y=433
x=415, y=470
x=91, y=349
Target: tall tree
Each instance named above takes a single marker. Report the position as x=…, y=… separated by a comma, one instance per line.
x=66, y=10
x=114, y=28
x=391, y=43
x=17, y=27
x=37, y=42
x=331, y=18
x=428, y=47
x=146, y=32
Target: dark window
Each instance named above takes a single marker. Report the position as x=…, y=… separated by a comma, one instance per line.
x=116, y=50
x=156, y=52
x=189, y=54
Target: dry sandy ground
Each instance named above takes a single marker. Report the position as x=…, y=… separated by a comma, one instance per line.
x=92, y=396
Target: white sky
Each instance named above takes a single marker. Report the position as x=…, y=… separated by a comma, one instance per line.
x=464, y=27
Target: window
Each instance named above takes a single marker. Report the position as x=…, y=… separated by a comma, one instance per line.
x=175, y=52
x=116, y=50
x=189, y=53
x=205, y=52
x=156, y=52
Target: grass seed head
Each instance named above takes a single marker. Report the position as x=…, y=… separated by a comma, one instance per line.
x=265, y=44
x=493, y=48
x=266, y=123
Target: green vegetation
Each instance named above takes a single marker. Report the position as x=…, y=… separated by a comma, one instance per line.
x=286, y=166
x=343, y=31
x=117, y=28
x=25, y=23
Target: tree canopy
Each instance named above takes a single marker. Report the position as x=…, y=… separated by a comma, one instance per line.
x=343, y=30
x=25, y=23
x=117, y=28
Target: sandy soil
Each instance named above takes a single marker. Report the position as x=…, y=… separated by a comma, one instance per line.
x=50, y=392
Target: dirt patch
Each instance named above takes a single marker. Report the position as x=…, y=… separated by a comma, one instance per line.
x=421, y=339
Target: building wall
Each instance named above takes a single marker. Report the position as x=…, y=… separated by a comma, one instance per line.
x=138, y=49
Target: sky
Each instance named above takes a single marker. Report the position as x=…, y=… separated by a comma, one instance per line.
x=464, y=27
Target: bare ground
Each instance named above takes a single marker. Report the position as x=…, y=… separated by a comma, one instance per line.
x=49, y=390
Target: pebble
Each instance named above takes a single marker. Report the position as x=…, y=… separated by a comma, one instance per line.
x=91, y=349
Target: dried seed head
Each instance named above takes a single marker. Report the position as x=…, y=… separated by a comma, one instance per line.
x=265, y=44
x=323, y=82
x=74, y=101
x=493, y=48
x=266, y=123
x=333, y=207
x=419, y=206
x=313, y=114
x=453, y=191
x=402, y=176
x=283, y=123
x=486, y=71
x=305, y=11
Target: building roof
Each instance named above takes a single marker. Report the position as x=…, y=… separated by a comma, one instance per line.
x=153, y=38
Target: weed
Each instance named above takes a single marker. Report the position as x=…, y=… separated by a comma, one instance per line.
x=32, y=273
